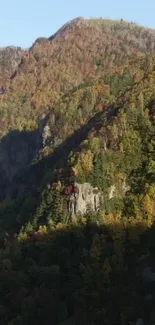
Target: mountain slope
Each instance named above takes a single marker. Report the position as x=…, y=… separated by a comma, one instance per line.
x=81, y=52
x=89, y=68
x=105, y=146
x=10, y=57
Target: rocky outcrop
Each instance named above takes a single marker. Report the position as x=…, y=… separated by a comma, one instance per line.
x=10, y=58
x=88, y=199
x=45, y=135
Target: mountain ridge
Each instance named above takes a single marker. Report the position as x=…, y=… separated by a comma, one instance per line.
x=113, y=26
x=79, y=42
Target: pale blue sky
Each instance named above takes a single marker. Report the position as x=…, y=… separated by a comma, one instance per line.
x=22, y=21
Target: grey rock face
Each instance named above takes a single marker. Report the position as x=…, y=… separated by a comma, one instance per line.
x=89, y=198
x=46, y=134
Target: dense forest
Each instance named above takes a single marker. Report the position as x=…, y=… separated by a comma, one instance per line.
x=77, y=171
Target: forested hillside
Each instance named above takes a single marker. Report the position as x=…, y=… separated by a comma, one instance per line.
x=77, y=171
x=83, y=51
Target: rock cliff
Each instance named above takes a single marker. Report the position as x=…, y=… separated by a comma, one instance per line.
x=89, y=198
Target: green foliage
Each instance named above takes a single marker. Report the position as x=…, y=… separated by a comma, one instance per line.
x=52, y=209
x=70, y=274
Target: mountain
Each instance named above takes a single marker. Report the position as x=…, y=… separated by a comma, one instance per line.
x=77, y=177
x=60, y=83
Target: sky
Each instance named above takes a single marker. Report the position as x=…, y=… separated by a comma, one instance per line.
x=23, y=21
